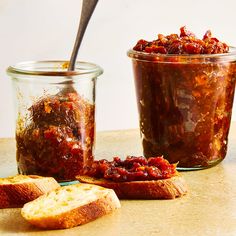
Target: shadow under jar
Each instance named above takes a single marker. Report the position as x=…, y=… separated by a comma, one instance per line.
x=55, y=117
x=185, y=105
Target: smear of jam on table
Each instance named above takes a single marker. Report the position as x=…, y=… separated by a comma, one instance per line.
x=132, y=169
x=58, y=141
x=184, y=102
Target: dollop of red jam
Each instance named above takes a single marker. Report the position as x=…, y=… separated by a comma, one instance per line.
x=185, y=43
x=132, y=169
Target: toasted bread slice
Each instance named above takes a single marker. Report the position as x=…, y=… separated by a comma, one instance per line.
x=70, y=206
x=148, y=189
x=15, y=191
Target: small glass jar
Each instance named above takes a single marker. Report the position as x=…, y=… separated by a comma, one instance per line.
x=185, y=105
x=55, y=117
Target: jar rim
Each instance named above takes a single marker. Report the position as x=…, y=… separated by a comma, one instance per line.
x=57, y=68
x=231, y=55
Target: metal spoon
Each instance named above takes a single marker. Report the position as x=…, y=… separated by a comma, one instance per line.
x=87, y=11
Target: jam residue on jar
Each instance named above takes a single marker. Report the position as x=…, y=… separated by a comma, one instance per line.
x=59, y=138
x=185, y=43
x=132, y=169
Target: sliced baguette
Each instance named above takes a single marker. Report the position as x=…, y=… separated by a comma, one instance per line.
x=15, y=191
x=70, y=206
x=150, y=189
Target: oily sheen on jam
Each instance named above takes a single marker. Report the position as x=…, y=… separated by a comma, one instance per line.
x=185, y=43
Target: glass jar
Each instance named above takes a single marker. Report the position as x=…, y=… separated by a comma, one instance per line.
x=55, y=117
x=185, y=105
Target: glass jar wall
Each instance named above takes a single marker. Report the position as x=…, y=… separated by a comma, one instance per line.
x=55, y=117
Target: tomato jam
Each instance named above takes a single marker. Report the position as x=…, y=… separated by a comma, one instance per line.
x=59, y=138
x=185, y=91
x=132, y=169
x=185, y=43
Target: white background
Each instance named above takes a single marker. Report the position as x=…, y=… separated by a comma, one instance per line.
x=46, y=29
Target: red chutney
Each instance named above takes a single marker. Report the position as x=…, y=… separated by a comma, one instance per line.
x=132, y=169
x=59, y=139
x=185, y=96
x=185, y=43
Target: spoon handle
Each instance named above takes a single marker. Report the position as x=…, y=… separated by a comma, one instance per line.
x=86, y=13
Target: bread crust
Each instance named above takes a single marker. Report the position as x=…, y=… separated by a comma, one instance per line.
x=151, y=189
x=101, y=206
x=17, y=190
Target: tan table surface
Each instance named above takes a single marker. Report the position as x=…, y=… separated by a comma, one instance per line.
x=208, y=209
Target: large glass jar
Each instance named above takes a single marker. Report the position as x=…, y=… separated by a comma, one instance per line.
x=55, y=117
x=185, y=105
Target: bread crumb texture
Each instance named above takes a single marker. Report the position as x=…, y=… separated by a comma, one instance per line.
x=69, y=206
x=19, y=179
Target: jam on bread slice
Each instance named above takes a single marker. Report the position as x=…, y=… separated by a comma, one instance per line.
x=137, y=177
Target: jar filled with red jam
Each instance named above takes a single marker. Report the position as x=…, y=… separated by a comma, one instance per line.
x=55, y=117
x=185, y=90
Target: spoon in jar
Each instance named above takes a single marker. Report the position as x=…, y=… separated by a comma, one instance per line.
x=87, y=11
x=88, y=7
